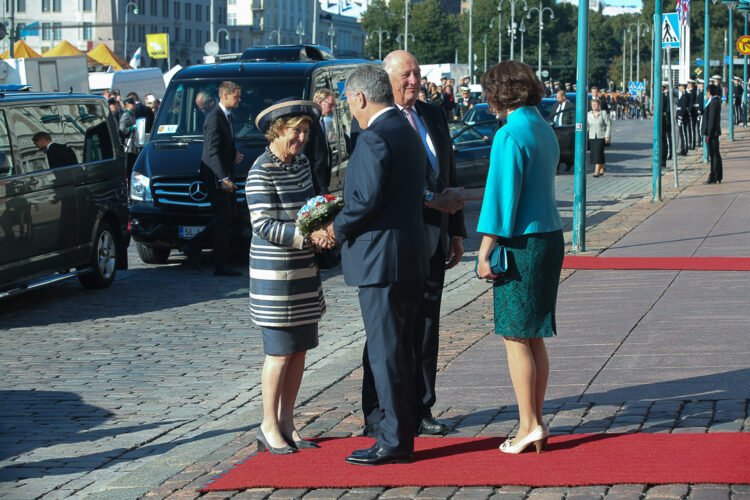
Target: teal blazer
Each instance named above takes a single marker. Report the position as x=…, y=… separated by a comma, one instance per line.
x=519, y=197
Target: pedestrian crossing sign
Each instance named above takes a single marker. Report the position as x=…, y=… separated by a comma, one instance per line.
x=670, y=31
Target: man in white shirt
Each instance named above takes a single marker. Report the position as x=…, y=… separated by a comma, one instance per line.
x=562, y=105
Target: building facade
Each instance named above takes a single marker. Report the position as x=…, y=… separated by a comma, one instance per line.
x=87, y=23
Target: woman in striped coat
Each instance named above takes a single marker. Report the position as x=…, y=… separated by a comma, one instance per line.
x=286, y=296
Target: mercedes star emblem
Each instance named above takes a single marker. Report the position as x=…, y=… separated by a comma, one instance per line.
x=197, y=192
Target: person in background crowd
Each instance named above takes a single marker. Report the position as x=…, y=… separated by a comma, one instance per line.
x=152, y=103
x=600, y=129
x=422, y=96
x=737, y=82
x=141, y=111
x=682, y=113
x=711, y=130
x=424, y=84
x=127, y=133
x=449, y=104
x=58, y=155
x=666, y=127
x=115, y=108
x=317, y=149
x=465, y=103
x=434, y=97
x=692, y=115
x=698, y=106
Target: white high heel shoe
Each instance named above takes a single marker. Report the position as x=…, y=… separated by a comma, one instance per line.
x=536, y=436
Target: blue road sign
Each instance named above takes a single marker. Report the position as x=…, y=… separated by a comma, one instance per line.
x=637, y=86
x=670, y=31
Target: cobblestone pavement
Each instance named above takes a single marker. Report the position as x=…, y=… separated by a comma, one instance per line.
x=151, y=388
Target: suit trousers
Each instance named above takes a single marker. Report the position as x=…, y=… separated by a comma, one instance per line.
x=717, y=168
x=388, y=398
x=682, y=131
x=690, y=133
x=696, y=126
x=216, y=232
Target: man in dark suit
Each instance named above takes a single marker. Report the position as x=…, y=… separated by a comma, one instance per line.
x=316, y=148
x=711, y=130
x=142, y=111
x=682, y=117
x=443, y=237
x=693, y=112
x=217, y=171
x=382, y=236
x=58, y=155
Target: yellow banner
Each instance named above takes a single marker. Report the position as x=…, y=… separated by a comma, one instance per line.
x=158, y=45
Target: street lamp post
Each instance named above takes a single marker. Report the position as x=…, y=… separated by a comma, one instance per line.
x=499, y=32
x=331, y=34
x=513, y=20
x=657, y=99
x=406, y=25
x=744, y=10
x=624, y=56
x=731, y=4
x=127, y=11
x=522, y=29
x=540, y=11
x=226, y=33
x=638, y=47
x=380, y=32
x=706, y=62
x=401, y=37
x=300, y=31
x=484, y=39
x=278, y=37
x=631, y=55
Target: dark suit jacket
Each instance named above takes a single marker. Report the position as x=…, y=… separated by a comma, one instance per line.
x=683, y=107
x=381, y=224
x=143, y=111
x=60, y=155
x=434, y=121
x=319, y=153
x=218, y=145
x=711, y=126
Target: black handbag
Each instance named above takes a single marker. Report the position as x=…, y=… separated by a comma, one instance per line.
x=329, y=258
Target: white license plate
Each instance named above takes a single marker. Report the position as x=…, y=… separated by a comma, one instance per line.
x=188, y=232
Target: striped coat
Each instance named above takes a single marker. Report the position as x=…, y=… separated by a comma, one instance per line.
x=285, y=287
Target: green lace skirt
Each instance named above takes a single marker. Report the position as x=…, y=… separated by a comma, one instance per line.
x=525, y=298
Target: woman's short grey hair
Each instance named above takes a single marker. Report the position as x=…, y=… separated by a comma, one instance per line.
x=373, y=82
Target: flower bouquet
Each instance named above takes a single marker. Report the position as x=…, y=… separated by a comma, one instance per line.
x=318, y=212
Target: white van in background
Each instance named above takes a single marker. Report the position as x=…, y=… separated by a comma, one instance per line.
x=141, y=81
x=47, y=74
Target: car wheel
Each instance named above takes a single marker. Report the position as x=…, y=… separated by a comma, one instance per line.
x=104, y=261
x=153, y=255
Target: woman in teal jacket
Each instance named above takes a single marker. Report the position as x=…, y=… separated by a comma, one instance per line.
x=519, y=211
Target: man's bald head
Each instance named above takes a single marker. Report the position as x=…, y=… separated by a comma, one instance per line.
x=403, y=70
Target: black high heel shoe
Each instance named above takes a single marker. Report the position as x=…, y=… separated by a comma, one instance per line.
x=302, y=444
x=263, y=445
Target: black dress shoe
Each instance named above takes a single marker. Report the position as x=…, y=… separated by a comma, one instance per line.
x=429, y=425
x=193, y=256
x=226, y=271
x=377, y=456
x=708, y=182
x=371, y=430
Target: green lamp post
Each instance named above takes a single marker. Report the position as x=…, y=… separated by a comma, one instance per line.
x=731, y=4
x=744, y=10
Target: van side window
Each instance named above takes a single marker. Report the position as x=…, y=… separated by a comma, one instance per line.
x=85, y=127
x=28, y=121
x=343, y=116
x=6, y=157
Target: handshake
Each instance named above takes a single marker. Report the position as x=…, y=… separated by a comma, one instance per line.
x=450, y=200
x=323, y=238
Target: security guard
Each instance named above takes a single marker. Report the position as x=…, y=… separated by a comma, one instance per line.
x=693, y=98
x=698, y=107
x=683, y=118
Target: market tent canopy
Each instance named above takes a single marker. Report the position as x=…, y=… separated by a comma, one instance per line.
x=65, y=48
x=20, y=49
x=104, y=56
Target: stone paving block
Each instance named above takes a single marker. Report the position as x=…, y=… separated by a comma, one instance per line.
x=436, y=493
x=402, y=492
x=288, y=493
x=219, y=495
x=587, y=491
x=710, y=492
x=667, y=491
x=253, y=494
x=363, y=494
x=514, y=489
x=556, y=493
x=507, y=496
x=743, y=489
x=474, y=493
x=625, y=492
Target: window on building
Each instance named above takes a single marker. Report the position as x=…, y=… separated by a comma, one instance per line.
x=232, y=2
x=154, y=4
x=87, y=5
x=208, y=13
x=46, y=31
x=87, y=31
x=57, y=5
x=188, y=11
x=20, y=6
x=177, y=34
x=198, y=38
x=176, y=9
x=142, y=7
x=198, y=13
x=45, y=5
x=154, y=29
x=165, y=8
x=56, y=31
x=188, y=36
x=165, y=29
x=220, y=19
x=232, y=19
x=142, y=33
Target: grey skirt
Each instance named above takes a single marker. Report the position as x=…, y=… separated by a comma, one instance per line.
x=289, y=339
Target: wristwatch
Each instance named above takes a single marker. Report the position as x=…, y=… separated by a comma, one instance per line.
x=428, y=195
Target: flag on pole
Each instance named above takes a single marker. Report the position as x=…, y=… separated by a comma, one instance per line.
x=683, y=11
x=135, y=61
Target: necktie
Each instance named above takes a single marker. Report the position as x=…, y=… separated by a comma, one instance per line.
x=231, y=129
x=408, y=113
x=323, y=125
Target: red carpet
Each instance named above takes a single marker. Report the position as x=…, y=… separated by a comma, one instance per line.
x=570, y=460
x=669, y=263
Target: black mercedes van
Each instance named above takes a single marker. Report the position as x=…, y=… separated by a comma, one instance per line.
x=60, y=218
x=168, y=202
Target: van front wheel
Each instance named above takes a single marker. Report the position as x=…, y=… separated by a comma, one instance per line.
x=104, y=260
x=153, y=255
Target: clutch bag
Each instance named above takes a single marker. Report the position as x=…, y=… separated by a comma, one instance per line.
x=498, y=261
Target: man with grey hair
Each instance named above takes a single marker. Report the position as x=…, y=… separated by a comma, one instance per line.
x=383, y=253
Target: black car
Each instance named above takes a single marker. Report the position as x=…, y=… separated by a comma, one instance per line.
x=169, y=205
x=63, y=208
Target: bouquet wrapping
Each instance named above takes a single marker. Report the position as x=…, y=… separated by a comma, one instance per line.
x=318, y=212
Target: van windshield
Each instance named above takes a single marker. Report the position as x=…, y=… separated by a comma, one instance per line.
x=182, y=112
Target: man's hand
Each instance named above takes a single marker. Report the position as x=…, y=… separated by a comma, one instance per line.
x=606, y=140
x=451, y=200
x=455, y=252
x=322, y=240
x=228, y=186
x=238, y=157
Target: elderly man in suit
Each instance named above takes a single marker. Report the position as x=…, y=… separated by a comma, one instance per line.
x=382, y=236
x=58, y=155
x=216, y=172
x=443, y=237
x=711, y=130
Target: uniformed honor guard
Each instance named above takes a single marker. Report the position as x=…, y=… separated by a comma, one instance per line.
x=666, y=126
x=699, y=102
x=737, y=82
x=693, y=113
x=683, y=118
